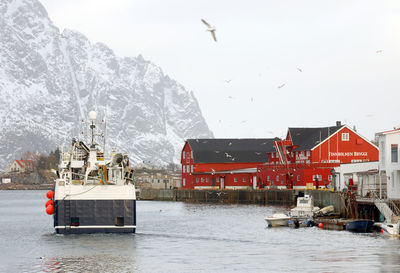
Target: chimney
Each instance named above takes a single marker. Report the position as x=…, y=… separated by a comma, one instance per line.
x=338, y=123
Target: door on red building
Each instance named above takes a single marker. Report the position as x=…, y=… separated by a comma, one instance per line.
x=254, y=182
x=222, y=183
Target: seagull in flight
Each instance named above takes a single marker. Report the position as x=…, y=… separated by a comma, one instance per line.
x=379, y=51
x=299, y=69
x=282, y=85
x=210, y=29
x=228, y=81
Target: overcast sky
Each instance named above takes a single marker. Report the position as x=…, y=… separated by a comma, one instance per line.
x=260, y=46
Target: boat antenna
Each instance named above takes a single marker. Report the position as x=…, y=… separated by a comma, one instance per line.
x=92, y=117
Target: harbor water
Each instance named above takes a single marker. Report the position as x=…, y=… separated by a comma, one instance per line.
x=184, y=237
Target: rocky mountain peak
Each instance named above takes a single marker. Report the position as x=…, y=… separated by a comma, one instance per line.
x=49, y=81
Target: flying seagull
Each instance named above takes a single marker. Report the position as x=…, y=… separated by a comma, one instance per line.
x=210, y=29
x=228, y=81
x=379, y=51
x=299, y=69
x=280, y=86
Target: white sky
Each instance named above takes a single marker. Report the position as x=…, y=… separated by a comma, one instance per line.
x=260, y=46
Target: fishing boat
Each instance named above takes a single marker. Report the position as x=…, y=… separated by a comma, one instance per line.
x=278, y=220
x=94, y=193
x=363, y=225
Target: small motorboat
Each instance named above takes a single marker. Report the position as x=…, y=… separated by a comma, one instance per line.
x=363, y=225
x=390, y=228
x=278, y=220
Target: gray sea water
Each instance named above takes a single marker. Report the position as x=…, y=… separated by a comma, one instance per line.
x=182, y=237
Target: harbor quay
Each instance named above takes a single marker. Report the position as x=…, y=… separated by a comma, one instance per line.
x=322, y=198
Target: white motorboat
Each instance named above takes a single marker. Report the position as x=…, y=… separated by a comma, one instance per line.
x=278, y=220
x=390, y=228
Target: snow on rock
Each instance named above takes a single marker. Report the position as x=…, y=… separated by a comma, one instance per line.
x=49, y=81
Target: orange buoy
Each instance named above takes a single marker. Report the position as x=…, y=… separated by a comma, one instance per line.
x=49, y=202
x=50, y=194
x=321, y=225
x=50, y=209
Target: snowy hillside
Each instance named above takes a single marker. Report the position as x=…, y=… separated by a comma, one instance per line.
x=49, y=81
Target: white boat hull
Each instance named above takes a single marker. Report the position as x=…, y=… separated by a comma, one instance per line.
x=278, y=220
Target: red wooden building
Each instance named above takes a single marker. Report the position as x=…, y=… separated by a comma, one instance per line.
x=311, y=153
x=223, y=163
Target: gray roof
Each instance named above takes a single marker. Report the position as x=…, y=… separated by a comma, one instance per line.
x=308, y=138
x=231, y=150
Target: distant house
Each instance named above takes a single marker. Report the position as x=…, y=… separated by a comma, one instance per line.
x=21, y=166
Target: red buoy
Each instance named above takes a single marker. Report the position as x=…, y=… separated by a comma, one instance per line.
x=321, y=225
x=50, y=194
x=50, y=209
x=49, y=202
x=382, y=231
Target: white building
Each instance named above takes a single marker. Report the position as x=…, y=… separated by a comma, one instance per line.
x=389, y=164
x=364, y=175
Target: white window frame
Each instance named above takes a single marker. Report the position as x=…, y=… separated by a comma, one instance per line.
x=244, y=179
x=197, y=179
x=192, y=168
x=202, y=179
x=345, y=136
x=277, y=178
x=235, y=179
x=183, y=156
x=184, y=168
x=268, y=178
x=184, y=182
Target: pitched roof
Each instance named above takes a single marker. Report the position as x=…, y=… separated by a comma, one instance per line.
x=231, y=150
x=22, y=162
x=308, y=138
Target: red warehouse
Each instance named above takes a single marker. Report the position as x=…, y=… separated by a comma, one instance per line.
x=223, y=163
x=305, y=150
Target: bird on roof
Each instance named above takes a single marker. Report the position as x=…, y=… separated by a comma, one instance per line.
x=282, y=85
x=210, y=29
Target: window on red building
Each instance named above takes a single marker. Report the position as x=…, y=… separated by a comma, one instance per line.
x=197, y=179
x=217, y=179
x=244, y=179
x=268, y=178
x=235, y=179
x=345, y=137
x=277, y=178
x=298, y=178
x=207, y=179
x=202, y=179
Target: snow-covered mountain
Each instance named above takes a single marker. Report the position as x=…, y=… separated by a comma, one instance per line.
x=49, y=81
